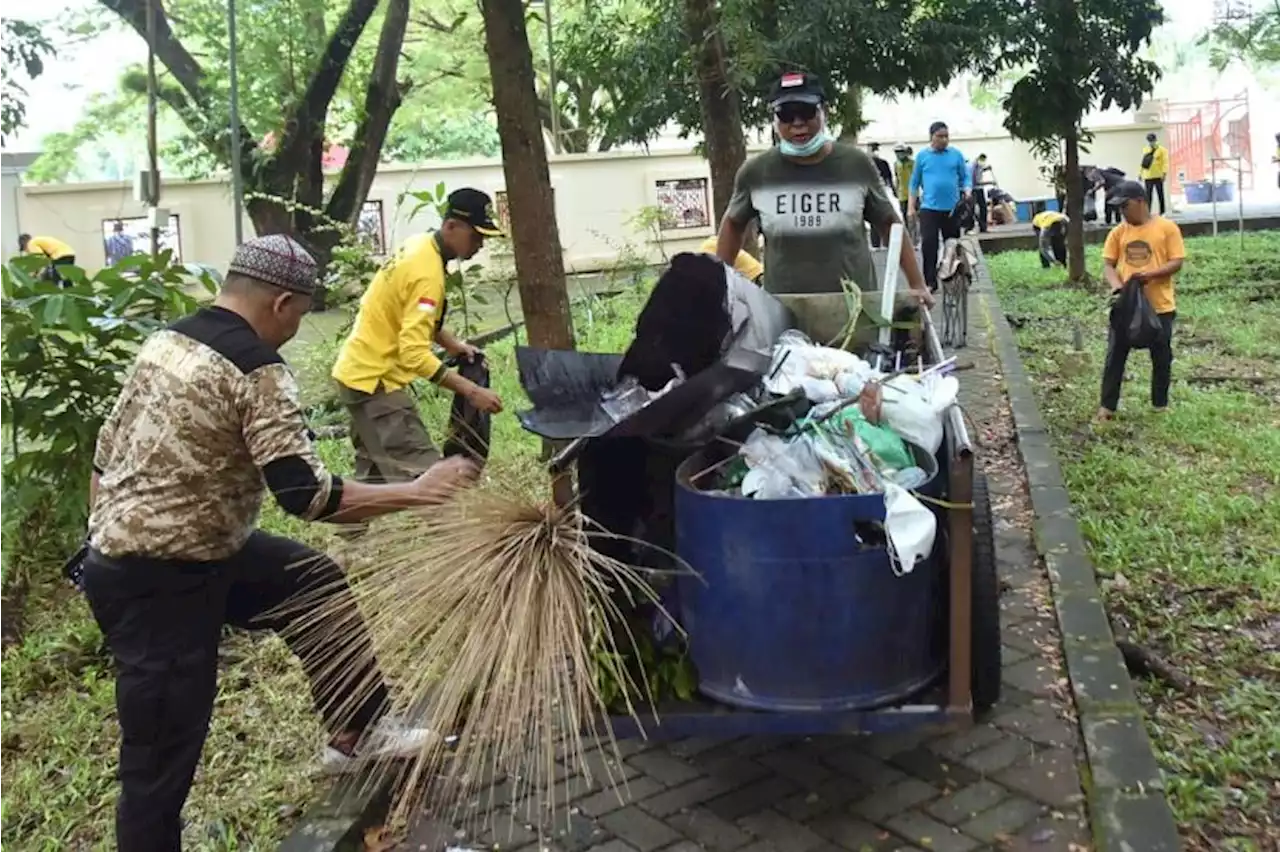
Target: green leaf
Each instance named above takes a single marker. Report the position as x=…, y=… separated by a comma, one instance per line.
x=685, y=681
x=52, y=312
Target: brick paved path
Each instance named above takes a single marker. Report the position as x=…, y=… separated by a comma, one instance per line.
x=1010, y=782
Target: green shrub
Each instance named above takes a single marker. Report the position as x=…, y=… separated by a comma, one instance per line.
x=65, y=355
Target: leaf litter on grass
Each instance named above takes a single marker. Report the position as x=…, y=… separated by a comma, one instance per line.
x=1182, y=506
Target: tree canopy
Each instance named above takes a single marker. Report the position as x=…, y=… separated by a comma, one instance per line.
x=885, y=46
x=1252, y=38
x=1078, y=55
x=25, y=47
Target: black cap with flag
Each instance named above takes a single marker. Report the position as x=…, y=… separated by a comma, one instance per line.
x=476, y=209
x=796, y=87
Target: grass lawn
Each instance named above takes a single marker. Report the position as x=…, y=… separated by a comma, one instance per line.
x=1181, y=512
x=59, y=731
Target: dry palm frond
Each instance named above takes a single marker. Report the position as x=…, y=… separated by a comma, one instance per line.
x=492, y=616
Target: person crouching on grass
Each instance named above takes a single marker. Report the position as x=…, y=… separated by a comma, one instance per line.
x=1050, y=228
x=207, y=421
x=1147, y=249
x=401, y=315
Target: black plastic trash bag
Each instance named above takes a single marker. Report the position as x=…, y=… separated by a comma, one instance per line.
x=1135, y=318
x=716, y=326
x=468, y=431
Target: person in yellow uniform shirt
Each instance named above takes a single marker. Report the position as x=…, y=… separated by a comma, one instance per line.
x=1050, y=228
x=1154, y=169
x=401, y=315
x=904, y=165
x=746, y=265
x=58, y=252
x=1147, y=249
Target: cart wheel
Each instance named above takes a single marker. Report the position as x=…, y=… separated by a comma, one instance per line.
x=985, y=602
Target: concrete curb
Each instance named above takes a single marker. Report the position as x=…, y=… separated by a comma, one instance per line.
x=337, y=822
x=1123, y=785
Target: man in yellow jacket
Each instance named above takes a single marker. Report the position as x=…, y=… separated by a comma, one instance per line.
x=58, y=252
x=1154, y=168
x=401, y=315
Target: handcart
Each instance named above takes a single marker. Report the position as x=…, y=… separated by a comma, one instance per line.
x=796, y=624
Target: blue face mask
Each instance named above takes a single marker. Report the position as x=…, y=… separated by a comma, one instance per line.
x=808, y=149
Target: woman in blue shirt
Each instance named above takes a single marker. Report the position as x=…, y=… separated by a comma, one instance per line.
x=942, y=175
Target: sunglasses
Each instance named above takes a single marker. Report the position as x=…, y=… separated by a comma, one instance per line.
x=787, y=113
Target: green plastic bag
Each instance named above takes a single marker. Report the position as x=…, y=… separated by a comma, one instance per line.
x=882, y=442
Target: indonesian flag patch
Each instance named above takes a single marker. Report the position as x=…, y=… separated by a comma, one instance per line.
x=792, y=79
x=427, y=305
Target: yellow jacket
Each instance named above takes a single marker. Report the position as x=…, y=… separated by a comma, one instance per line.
x=904, y=169
x=747, y=265
x=50, y=246
x=1159, y=162
x=396, y=325
x=1045, y=218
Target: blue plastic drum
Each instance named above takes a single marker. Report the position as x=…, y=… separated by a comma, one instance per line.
x=794, y=609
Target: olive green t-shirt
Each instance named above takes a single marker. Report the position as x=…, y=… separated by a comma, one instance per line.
x=812, y=217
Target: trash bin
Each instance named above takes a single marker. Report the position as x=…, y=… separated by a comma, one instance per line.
x=794, y=609
x=1199, y=192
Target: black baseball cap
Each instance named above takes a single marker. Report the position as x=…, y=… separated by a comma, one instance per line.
x=1125, y=191
x=797, y=87
x=476, y=209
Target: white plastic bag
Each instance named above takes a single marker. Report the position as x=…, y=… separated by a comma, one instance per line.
x=914, y=409
x=780, y=469
x=910, y=527
x=822, y=372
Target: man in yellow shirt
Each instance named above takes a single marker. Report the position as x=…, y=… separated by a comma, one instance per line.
x=1147, y=249
x=58, y=252
x=1154, y=169
x=903, y=166
x=1050, y=227
x=401, y=315
x=746, y=265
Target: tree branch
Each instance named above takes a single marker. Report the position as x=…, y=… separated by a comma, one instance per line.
x=310, y=112
x=431, y=22
x=171, y=52
x=382, y=99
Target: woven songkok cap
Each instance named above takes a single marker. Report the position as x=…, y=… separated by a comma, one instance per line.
x=279, y=260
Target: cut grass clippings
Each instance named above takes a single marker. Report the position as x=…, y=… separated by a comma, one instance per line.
x=257, y=773
x=1181, y=512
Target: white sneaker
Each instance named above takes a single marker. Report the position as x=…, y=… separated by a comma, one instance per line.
x=390, y=739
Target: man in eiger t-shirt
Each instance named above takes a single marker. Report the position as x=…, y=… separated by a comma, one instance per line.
x=812, y=195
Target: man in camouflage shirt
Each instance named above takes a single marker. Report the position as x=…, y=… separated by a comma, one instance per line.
x=207, y=421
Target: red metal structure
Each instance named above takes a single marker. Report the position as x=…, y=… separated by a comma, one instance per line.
x=1202, y=130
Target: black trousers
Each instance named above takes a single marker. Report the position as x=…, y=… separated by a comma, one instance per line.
x=163, y=620
x=1113, y=214
x=52, y=273
x=980, y=197
x=1155, y=187
x=1161, y=366
x=933, y=223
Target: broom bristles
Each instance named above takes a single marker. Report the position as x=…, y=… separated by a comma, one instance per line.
x=491, y=617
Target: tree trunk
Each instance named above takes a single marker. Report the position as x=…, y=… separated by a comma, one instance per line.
x=721, y=110
x=534, y=233
x=851, y=118
x=1075, y=208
